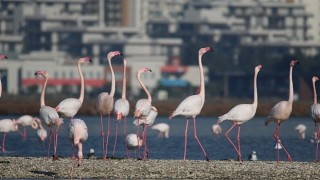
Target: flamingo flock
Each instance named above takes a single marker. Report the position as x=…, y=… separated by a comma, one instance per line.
x=145, y=114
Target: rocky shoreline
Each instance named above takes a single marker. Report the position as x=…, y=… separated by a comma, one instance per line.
x=41, y=167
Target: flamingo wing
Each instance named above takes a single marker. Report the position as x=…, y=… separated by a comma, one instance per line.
x=48, y=115
x=122, y=106
x=143, y=108
x=240, y=113
x=315, y=111
x=191, y=106
x=69, y=107
x=105, y=103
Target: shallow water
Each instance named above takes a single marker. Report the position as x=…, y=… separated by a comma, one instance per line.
x=254, y=136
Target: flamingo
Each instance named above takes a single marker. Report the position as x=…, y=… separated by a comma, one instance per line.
x=2, y=56
x=242, y=113
x=49, y=115
x=7, y=125
x=133, y=142
x=281, y=111
x=192, y=105
x=121, y=108
x=143, y=106
x=41, y=132
x=105, y=103
x=146, y=122
x=301, y=129
x=216, y=129
x=315, y=113
x=70, y=106
x=163, y=129
x=27, y=120
x=78, y=133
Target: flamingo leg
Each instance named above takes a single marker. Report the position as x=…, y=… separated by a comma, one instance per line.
x=138, y=141
x=196, y=137
x=317, y=141
x=145, y=142
x=226, y=135
x=3, y=142
x=115, y=139
x=49, y=144
x=276, y=135
x=185, y=140
x=102, y=137
x=56, y=142
x=108, y=132
x=73, y=156
x=24, y=133
x=124, y=135
x=239, y=147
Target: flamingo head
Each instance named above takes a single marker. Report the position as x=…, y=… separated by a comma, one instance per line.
x=315, y=78
x=113, y=53
x=144, y=69
x=15, y=125
x=35, y=124
x=204, y=50
x=42, y=73
x=294, y=62
x=258, y=68
x=2, y=56
x=84, y=60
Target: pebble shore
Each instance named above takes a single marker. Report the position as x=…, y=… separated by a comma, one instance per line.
x=64, y=168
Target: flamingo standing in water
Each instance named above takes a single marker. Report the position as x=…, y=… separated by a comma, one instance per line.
x=49, y=115
x=7, y=125
x=27, y=120
x=121, y=108
x=315, y=113
x=2, y=56
x=281, y=111
x=70, y=106
x=143, y=106
x=242, y=113
x=192, y=105
x=163, y=129
x=78, y=133
x=105, y=103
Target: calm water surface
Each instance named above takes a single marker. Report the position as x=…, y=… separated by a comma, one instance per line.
x=254, y=136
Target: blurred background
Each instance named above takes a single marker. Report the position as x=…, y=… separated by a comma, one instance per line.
x=165, y=36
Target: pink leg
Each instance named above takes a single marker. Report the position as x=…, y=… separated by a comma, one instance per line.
x=239, y=147
x=102, y=137
x=196, y=137
x=317, y=141
x=49, y=144
x=108, y=132
x=73, y=156
x=3, y=142
x=278, y=141
x=139, y=157
x=226, y=134
x=124, y=135
x=56, y=140
x=24, y=133
x=145, y=141
x=115, y=139
x=185, y=139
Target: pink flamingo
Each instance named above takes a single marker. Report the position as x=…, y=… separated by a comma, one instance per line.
x=41, y=132
x=7, y=125
x=27, y=120
x=281, y=111
x=315, y=113
x=242, y=113
x=133, y=142
x=163, y=129
x=146, y=122
x=143, y=106
x=49, y=115
x=192, y=105
x=78, y=133
x=105, y=103
x=70, y=106
x=121, y=108
x=216, y=129
x=2, y=56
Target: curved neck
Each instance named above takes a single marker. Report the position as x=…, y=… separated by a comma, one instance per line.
x=0, y=87
x=255, y=91
x=290, y=86
x=82, y=83
x=144, y=87
x=202, y=88
x=124, y=79
x=314, y=93
x=43, y=91
x=112, y=79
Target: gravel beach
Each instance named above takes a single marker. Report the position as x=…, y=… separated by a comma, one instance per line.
x=26, y=167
